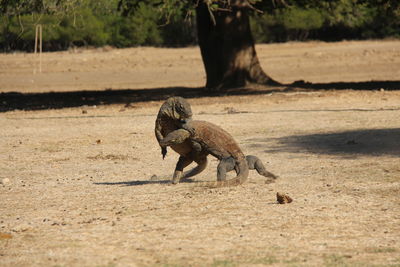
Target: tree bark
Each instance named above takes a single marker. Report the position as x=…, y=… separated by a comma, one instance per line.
x=227, y=49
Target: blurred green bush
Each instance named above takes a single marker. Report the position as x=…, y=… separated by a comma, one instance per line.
x=126, y=23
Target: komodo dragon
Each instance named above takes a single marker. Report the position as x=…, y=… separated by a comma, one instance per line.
x=172, y=113
x=207, y=138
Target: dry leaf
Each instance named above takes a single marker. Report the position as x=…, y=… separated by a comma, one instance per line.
x=283, y=199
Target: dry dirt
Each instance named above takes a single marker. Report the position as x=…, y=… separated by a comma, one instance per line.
x=86, y=185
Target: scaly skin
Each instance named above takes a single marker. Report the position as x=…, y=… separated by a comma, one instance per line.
x=170, y=115
x=170, y=118
x=208, y=138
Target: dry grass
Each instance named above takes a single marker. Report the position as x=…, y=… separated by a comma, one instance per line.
x=69, y=200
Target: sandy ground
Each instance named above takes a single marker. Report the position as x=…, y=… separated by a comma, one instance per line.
x=86, y=186
x=139, y=68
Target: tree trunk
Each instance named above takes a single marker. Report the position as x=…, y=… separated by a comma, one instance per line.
x=227, y=49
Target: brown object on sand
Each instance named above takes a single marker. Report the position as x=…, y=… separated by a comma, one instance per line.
x=283, y=199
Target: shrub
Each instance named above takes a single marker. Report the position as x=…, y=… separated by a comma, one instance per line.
x=125, y=23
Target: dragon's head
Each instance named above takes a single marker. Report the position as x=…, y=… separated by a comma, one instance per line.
x=179, y=108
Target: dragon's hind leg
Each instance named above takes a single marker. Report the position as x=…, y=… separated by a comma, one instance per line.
x=180, y=165
x=253, y=162
x=224, y=166
x=201, y=165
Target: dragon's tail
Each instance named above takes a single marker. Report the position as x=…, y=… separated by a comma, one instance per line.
x=255, y=163
x=242, y=174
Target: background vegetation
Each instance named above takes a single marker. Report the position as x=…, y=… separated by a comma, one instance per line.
x=125, y=23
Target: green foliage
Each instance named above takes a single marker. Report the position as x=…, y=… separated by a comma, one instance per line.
x=299, y=18
x=140, y=28
x=327, y=20
x=69, y=23
x=124, y=23
x=293, y=23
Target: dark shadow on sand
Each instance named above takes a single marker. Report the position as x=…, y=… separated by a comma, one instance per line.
x=141, y=182
x=57, y=100
x=364, y=142
x=133, y=183
x=368, y=85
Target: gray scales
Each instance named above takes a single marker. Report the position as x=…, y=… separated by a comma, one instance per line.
x=194, y=140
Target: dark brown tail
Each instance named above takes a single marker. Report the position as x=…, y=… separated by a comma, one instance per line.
x=256, y=164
